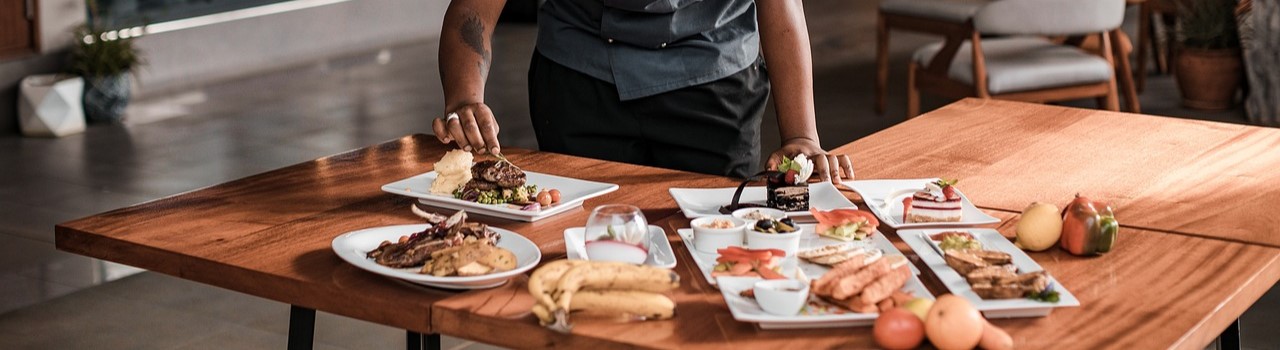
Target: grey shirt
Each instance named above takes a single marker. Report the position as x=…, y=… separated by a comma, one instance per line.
x=647, y=47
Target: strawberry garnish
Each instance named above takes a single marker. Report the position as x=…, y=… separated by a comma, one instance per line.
x=790, y=177
x=948, y=188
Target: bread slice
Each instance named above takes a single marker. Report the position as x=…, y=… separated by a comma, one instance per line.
x=826, y=250
x=835, y=258
x=473, y=269
x=499, y=259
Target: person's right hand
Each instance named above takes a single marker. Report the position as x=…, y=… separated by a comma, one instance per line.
x=471, y=126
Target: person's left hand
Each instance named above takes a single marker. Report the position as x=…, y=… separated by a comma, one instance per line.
x=830, y=167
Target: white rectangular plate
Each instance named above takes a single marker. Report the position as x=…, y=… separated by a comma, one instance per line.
x=699, y=202
x=572, y=193
x=660, y=253
x=747, y=310
x=808, y=239
x=992, y=308
x=875, y=191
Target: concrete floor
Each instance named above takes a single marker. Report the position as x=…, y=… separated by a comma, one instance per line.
x=180, y=140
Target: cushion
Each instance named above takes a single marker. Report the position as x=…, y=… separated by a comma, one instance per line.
x=1049, y=17
x=943, y=10
x=1023, y=63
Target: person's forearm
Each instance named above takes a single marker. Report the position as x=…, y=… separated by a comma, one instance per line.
x=785, y=41
x=465, y=50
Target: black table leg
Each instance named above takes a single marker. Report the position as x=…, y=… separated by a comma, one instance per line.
x=419, y=341
x=1230, y=338
x=413, y=340
x=302, y=327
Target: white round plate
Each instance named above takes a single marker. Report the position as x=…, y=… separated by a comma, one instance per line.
x=353, y=246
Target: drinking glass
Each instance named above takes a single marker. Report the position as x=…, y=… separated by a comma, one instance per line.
x=617, y=232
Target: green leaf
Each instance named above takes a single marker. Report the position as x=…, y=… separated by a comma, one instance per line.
x=787, y=164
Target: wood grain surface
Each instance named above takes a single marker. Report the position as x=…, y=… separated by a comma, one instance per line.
x=1191, y=177
x=1137, y=297
x=1196, y=247
x=269, y=235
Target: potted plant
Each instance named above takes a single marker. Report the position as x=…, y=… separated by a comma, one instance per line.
x=1208, y=65
x=105, y=62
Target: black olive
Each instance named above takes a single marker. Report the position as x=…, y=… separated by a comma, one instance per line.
x=788, y=221
x=764, y=225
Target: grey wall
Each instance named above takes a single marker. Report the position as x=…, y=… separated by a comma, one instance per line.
x=195, y=56
x=244, y=47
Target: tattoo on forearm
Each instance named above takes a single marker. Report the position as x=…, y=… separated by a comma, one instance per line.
x=473, y=35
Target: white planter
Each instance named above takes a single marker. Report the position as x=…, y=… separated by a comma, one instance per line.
x=49, y=105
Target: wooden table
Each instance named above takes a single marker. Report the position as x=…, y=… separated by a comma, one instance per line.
x=269, y=235
x=1177, y=287
x=1128, y=300
x=1172, y=282
x=1190, y=177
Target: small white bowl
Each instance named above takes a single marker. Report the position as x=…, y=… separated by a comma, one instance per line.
x=789, y=242
x=709, y=240
x=782, y=297
x=770, y=212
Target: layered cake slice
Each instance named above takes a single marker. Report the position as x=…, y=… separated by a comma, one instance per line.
x=788, y=189
x=938, y=202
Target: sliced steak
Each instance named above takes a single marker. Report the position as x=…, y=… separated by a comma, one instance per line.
x=479, y=185
x=502, y=173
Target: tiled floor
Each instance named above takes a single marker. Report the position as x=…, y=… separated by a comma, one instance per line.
x=178, y=141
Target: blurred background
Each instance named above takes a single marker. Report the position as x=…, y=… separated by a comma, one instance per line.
x=191, y=93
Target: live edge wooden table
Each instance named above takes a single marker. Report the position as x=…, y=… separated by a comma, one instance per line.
x=269, y=235
x=1183, y=271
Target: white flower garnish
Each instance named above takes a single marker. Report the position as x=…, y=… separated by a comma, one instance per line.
x=806, y=168
x=934, y=190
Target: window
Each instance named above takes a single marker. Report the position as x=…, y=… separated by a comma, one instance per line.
x=119, y=14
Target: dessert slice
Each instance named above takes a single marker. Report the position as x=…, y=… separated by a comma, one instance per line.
x=788, y=189
x=938, y=202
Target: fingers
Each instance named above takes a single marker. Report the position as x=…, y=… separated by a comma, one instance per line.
x=471, y=128
x=442, y=131
x=822, y=167
x=455, y=132
x=774, y=160
x=846, y=166
x=488, y=127
x=833, y=167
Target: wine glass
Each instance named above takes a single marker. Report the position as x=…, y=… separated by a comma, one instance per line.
x=617, y=232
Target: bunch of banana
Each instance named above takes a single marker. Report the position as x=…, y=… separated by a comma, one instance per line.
x=611, y=288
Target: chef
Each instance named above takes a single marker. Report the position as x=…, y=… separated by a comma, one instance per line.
x=678, y=84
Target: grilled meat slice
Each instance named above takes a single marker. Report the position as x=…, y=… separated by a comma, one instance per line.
x=1031, y=281
x=420, y=246
x=413, y=252
x=505, y=174
x=409, y=256
x=989, y=274
x=993, y=257
x=964, y=261
x=989, y=291
x=479, y=185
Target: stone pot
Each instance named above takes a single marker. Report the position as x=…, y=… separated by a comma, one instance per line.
x=106, y=97
x=1208, y=79
x=49, y=105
